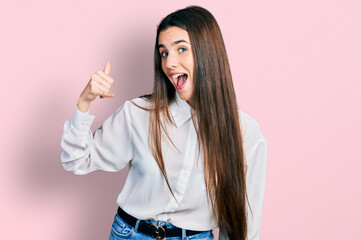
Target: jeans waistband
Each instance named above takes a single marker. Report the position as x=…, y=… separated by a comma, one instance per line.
x=158, y=232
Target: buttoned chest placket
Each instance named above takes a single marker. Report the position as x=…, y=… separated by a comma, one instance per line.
x=183, y=180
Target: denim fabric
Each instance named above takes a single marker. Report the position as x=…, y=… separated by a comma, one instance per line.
x=122, y=230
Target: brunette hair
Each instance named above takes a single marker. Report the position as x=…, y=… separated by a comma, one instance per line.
x=215, y=112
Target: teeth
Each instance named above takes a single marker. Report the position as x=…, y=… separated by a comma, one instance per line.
x=177, y=75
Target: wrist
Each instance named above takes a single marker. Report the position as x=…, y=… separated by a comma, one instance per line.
x=83, y=106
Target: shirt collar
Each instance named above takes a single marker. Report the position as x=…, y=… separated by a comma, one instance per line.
x=180, y=110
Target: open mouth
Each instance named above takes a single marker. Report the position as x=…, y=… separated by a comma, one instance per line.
x=180, y=80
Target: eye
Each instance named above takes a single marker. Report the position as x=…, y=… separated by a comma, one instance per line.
x=163, y=54
x=182, y=49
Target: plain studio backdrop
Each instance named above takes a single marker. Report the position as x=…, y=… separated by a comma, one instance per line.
x=296, y=70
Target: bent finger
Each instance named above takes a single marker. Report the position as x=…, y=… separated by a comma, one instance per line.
x=102, y=88
x=108, y=95
x=106, y=77
x=100, y=80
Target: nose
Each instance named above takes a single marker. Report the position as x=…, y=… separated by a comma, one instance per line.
x=172, y=61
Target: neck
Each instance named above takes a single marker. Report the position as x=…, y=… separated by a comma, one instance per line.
x=191, y=103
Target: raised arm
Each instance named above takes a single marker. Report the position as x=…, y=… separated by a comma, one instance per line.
x=110, y=148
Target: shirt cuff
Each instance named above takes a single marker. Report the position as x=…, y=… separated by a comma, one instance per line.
x=82, y=121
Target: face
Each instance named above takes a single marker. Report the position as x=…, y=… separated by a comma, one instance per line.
x=177, y=60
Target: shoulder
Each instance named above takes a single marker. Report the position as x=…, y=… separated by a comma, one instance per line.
x=251, y=130
x=135, y=109
x=133, y=105
x=139, y=102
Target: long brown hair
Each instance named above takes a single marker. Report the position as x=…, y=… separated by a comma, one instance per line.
x=215, y=112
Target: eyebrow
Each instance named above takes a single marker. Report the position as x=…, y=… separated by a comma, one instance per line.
x=174, y=43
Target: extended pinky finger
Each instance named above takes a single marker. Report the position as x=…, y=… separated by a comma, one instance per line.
x=104, y=94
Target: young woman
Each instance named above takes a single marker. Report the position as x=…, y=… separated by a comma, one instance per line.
x=196, y=162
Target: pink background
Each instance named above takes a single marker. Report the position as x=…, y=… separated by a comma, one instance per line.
x=296, y=69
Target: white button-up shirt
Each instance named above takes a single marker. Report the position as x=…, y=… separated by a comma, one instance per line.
x=123, y=139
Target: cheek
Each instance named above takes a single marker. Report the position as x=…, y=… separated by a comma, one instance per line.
x=190, y=64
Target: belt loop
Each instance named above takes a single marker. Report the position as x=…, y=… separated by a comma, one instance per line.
x=184, y=234
x=137, y=225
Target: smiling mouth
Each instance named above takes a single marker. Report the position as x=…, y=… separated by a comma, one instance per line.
x=180, y=80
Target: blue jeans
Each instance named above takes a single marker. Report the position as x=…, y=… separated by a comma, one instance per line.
x=122, y=230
